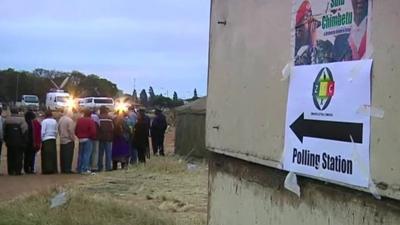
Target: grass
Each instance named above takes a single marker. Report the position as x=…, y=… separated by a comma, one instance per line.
x=81, y=209
x=161, y=192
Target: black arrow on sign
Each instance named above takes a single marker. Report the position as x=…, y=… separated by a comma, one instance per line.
x=337, y=131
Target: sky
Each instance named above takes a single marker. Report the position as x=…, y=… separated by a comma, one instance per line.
x=158, y=43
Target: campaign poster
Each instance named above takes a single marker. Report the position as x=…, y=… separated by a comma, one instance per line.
x=325, y=31
x=325, y=134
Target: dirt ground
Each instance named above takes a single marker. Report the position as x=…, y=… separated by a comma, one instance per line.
x=14, y=186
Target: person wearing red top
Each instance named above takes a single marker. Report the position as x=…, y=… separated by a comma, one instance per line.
x=85, y=130
x=34, y=142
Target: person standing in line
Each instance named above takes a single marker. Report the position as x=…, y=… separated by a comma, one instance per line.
x=105, y=137
x=131, y=120
x=15, y=137
x=37, y=139
x=1, y=131
x=147, y=121
x=85, y=130
x=120, y=146
x=94, y=157
x=141, y=137
x=158, y=127
x=66, y=129
x=34, y=142
x=49, y=147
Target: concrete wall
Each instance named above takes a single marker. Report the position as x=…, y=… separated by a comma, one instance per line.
x=246, y=110
x=245, y=193
x=247, y=100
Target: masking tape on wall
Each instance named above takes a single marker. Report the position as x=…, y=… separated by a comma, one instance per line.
x=291, y=183
x=286, y=71
x=371, y=111
x=355, y=70
x=373, y=190
x=370, y=51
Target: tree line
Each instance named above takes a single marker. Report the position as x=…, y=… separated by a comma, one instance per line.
x=153, y=100
x=15, y=83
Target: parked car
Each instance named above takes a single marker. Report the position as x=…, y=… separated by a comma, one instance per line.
x=28, y=102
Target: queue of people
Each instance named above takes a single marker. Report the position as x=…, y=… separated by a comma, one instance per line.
x=105, y=140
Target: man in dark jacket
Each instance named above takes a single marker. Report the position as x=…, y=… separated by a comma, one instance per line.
x=105, y=136
x=158, y=127
x=141, y=136
x=15, y=136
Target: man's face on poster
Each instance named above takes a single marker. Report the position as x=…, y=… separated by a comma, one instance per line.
x=360, y=7
x=302, y=34
x=303, y=30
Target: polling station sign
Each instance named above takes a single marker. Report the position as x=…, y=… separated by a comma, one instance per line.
x=325, y=135
x=325, y=31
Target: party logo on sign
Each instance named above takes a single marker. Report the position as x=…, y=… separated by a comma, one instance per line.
x=324, y=88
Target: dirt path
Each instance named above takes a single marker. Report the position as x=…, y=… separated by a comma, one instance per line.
x=13, y=186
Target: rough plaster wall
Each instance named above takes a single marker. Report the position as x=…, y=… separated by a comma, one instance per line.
x=235, y=201
x=385, y=133
x=247, y=100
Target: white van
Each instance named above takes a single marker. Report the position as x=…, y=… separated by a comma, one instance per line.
x=94, y=103
x=56, y=100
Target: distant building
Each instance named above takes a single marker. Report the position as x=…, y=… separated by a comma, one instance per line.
x=190, y=121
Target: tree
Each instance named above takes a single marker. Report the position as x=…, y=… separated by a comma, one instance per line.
x=93, y=85
x=134, y=96
x=175, y=97
x=151, y=92
x=162, y=101
x=195, y=97
x=143, y=97
x=151, y=95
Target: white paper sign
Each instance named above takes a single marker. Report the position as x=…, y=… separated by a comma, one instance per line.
x=325, y=137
